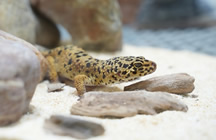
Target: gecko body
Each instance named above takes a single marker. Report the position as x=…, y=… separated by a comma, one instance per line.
x=77, y=65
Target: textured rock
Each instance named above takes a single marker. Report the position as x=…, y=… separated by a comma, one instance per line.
x=125, y=104
x=73, y=127
x=17, y=18
x=94, y=25
x=180, y=83
x=19, y=75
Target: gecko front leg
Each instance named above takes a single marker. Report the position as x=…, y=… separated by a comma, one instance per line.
x=53, y=76
x=79, y=82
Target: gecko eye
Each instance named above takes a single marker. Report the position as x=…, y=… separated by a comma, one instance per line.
x=138, y=64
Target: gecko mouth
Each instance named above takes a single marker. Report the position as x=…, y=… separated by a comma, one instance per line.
x=154, y=65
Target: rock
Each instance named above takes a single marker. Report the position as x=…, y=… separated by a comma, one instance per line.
x=43, y=63
x=12, y=101
x=94, y=25
x=17, y=18
x=47, y=33
x=180, y=83
x=129, y=10
x=73, y=127
x=125, y=104
x=19, y=75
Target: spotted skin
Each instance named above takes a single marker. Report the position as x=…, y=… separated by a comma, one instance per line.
x=75, y=64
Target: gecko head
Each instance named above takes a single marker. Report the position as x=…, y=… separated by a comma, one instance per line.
x=135, y=67
x=142, y=66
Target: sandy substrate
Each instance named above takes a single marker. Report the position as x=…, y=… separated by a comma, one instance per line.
x=199, y=123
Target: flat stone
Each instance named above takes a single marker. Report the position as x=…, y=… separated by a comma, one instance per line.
x=71, y=126
x=19, y=75
x=125, y=104
x=180, y=83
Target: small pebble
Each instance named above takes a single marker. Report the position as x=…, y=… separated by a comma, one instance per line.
x=55, y=87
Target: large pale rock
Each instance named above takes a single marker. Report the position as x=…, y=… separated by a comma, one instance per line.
x=17, y=18
x=179, y=83
x=19, y=75
x=125, y=104
x=71, y=126
x=94, y=25
x=43, y=63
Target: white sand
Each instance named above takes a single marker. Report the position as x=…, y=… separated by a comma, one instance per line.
x=199, y=123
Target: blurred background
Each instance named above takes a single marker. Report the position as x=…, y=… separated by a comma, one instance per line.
x=106, y=25
x=172, y=24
